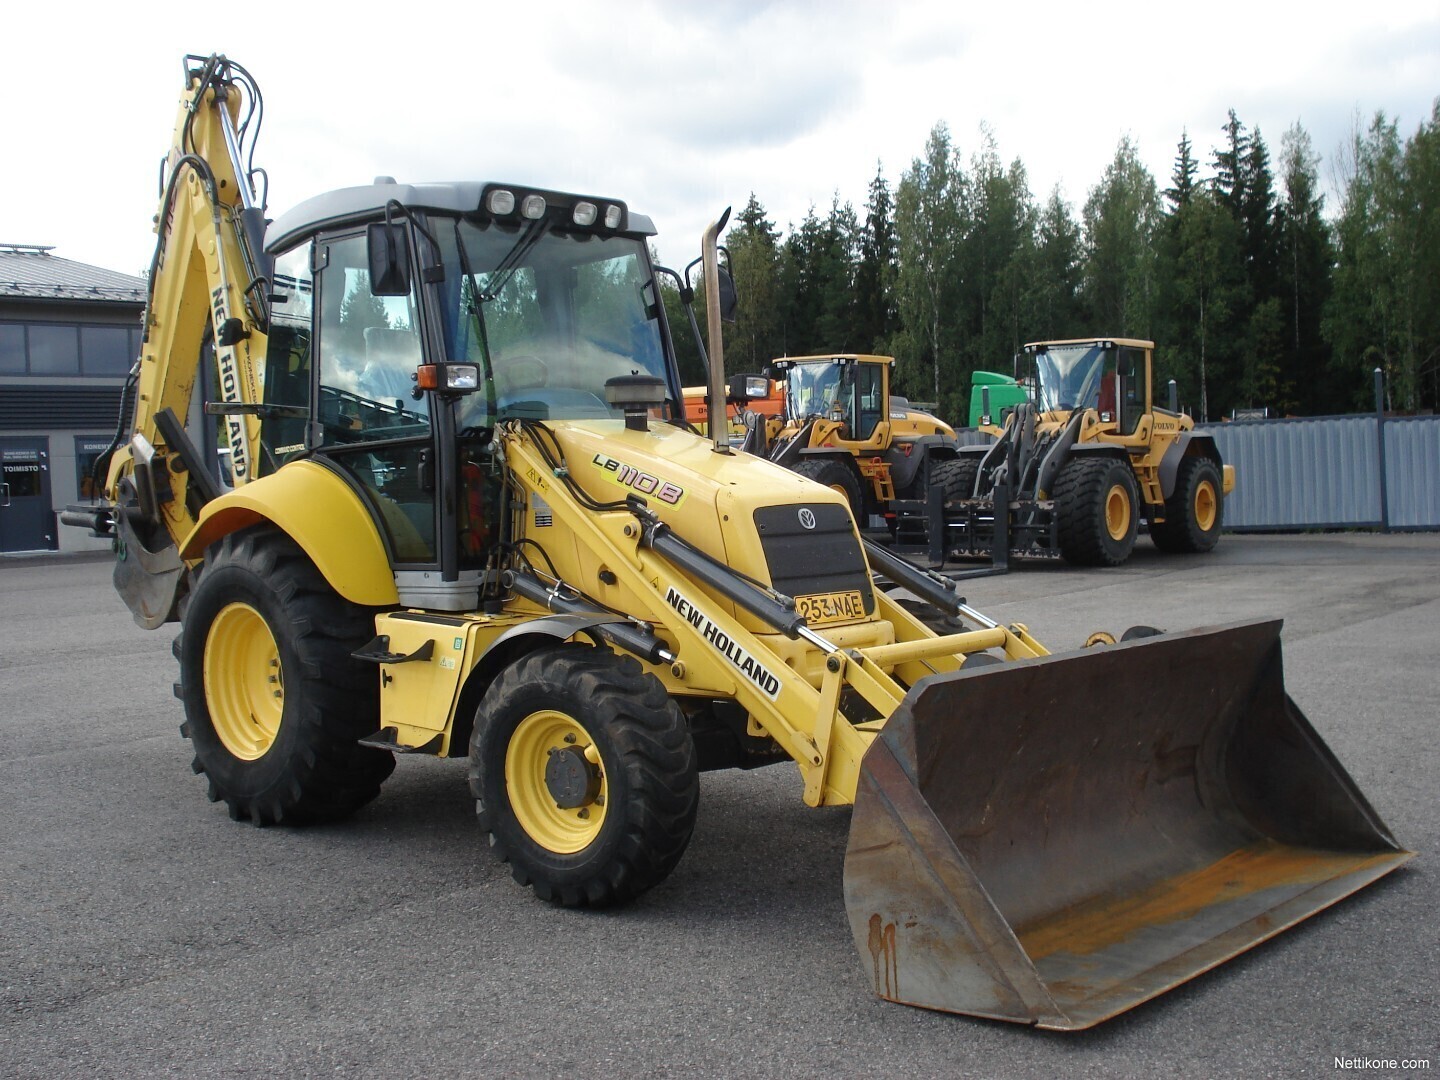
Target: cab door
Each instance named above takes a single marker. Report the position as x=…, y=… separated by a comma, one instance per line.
x=370, y=420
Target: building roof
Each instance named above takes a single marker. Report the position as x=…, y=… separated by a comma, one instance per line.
x=30, y=272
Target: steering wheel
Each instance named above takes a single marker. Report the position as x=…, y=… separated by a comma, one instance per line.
x=525, y=371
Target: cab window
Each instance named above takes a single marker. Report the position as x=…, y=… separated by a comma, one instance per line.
x=287, y=355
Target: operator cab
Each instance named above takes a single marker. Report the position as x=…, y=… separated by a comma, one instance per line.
x=1109, y=376
x=844, y=389
x=408, y=320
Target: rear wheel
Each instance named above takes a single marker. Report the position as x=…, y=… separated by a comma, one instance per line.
x=1194, y=511
x=837, y=478
x=274, y=702
x=584, y=774
x=1096, y=500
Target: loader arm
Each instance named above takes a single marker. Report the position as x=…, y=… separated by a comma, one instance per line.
x=690, y=600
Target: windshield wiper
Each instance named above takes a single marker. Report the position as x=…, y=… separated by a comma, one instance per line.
x=506, y=267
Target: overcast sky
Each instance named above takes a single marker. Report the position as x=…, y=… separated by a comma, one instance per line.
x=678, y=108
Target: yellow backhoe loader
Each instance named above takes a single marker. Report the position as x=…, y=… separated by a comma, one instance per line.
x=466, y=518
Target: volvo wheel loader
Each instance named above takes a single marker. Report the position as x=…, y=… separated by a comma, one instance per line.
x=1073, y=471
x=841, y=427
x=467, y=519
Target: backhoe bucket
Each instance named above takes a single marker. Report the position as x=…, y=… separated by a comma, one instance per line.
x=1053, y=841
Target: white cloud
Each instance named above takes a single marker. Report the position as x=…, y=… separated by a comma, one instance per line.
x=679, y=110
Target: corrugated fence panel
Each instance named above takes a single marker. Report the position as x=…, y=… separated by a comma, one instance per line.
x=1305, y=473
x=1322, y=472
x=1412, y=464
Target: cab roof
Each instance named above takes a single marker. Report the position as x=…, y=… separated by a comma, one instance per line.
x=360, y=204
x=1134, y=343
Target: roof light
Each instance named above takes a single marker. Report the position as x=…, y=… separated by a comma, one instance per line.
x=584, y=213
x=533, y=207
x=501, y=201
x=612, y=216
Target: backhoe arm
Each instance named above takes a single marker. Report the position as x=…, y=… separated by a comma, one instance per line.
x=207, y=283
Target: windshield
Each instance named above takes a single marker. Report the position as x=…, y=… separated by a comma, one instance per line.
x=812, y=389
x=553, y=314
x=1068, y=376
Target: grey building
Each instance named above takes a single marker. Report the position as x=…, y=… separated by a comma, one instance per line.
x=69, y=333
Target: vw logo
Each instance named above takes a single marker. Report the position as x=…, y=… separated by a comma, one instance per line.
x=807, y=518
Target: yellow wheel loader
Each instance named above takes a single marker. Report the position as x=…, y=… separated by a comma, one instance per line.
x=841, y=427
x=467, y=519
x=1074, y=471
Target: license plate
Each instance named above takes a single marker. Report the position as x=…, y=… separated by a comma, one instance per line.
x=822, y=608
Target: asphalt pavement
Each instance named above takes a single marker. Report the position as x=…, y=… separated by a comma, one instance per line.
x=146, y=934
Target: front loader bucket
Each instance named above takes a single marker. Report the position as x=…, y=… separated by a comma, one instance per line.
x=1053, y=841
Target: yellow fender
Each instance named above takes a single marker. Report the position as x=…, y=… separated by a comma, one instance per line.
x=317, y=510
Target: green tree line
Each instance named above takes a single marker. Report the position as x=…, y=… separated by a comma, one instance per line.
x=1255, y=295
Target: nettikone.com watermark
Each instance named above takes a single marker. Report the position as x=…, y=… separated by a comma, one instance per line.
x=1361, y=1064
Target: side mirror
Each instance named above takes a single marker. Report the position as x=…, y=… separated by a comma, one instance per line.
x=729, y=299
x=389, y=259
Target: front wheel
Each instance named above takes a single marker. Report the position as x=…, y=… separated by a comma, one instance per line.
x=1096, y=500
x=955, y=477
x=837, y=478
x=274, y=702
x=584, y=775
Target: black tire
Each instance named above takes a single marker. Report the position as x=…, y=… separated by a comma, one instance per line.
x=296, y=761
x=837, y=477
x=955, y=477
x=644, y=790
x=1135, y=633
x=1195, y=510
x=1097, y=505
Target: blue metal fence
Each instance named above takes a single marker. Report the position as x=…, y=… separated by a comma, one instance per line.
x=1325, y=472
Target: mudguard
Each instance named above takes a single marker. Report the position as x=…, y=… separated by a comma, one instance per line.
x=321, y=513
x=904, y=467
x=1188, y=443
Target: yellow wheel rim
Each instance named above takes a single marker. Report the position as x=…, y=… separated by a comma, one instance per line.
x=1117, y=512
x=1207, y=505
x=244, y=685
x=557, y=829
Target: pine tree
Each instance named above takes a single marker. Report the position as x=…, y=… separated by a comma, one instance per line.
x=1306, y=254
x=1122, y=216
x=1387, y=279
x=928, y=229
x=876, y=317
x=757, y=335
x=1052, y=301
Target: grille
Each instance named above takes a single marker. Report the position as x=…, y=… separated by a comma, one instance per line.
x=824, y=559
